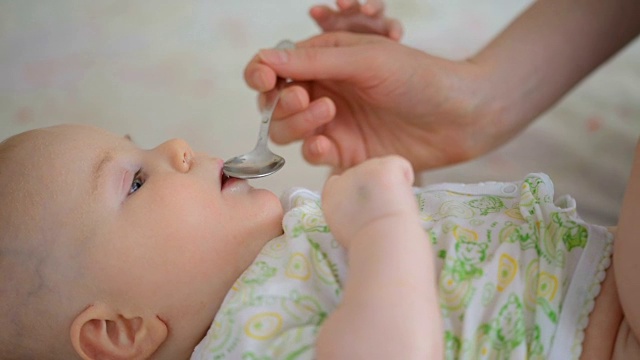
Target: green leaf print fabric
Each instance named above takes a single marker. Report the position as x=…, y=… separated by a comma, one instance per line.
x=517, y=276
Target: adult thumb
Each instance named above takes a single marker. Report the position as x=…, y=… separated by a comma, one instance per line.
x=331, y=56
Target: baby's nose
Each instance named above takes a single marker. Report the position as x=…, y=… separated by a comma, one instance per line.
x=179, y=154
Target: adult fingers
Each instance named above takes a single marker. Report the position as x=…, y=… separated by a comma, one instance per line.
x=327, y=18
x=260, y=72
x=395, y=29
x=348, y=6
x=259, y=76
x=293, y=99
x=320, y=150
x=351, y=17
x=304, y=123
x=339, y=39
x=373, y=7
x=321, y=14
x=336, y=62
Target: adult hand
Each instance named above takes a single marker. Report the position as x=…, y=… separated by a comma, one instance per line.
x=359, y=96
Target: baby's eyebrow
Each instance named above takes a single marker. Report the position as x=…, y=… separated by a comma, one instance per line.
x=98, y=170
x=106, y=156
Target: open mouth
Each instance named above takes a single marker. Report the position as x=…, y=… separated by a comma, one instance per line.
x=223, y=179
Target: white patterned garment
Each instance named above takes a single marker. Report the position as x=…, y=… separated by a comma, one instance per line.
x=518, y=274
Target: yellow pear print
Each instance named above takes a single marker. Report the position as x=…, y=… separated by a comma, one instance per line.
x=547, y=285
x=263, y=326
x=514, y=213
x=462, y=234
x=507, y=269
x=298, y=267
x=531, y=284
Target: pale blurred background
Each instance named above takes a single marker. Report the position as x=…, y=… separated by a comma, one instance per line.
x=163, y=69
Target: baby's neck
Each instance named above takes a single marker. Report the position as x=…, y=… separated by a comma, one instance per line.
x=178, y=346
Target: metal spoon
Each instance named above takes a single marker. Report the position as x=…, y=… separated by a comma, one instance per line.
x=260, y=161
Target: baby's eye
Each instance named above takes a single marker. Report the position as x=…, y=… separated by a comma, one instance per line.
x=138, y=181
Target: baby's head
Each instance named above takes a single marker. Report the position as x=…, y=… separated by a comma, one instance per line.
x=110, y=251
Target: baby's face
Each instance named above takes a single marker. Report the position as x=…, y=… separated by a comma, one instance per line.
x=160, y=229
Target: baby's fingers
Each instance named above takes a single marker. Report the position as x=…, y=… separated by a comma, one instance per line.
x=397, y=165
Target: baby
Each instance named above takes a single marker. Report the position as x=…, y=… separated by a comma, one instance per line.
x=112, y=252
x=120, y=253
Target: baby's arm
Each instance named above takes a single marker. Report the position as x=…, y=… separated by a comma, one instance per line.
x=368, y=18
x=390, y=306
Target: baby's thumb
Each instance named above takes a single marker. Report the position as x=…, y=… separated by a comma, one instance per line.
x=403, y=166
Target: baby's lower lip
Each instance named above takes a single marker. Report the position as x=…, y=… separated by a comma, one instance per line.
x=229, y=182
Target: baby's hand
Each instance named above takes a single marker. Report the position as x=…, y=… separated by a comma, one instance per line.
x=368, y=18
x=376, y=190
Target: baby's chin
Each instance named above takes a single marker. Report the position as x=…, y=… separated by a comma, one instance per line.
x=276, y=214
x=270, y=213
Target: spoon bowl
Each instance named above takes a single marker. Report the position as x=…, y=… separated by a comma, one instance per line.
x=260, y=161
x=254, y=164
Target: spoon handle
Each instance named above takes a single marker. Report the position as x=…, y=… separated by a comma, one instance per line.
x=272, y=98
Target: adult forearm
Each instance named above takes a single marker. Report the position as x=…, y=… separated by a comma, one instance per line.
x=548, y=49
x=390, y=305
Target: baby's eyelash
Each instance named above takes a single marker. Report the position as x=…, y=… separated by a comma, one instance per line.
x=137, y=182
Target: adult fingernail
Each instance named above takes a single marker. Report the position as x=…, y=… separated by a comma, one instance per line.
x=258, y=80
x=316, y=149
x=274, y=56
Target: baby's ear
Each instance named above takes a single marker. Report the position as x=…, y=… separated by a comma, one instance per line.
x=99, y=332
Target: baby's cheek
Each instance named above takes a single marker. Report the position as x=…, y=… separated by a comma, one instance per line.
x=183, y=212
x=183, y=199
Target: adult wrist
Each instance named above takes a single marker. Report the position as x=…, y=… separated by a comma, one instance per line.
x=501, y=109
